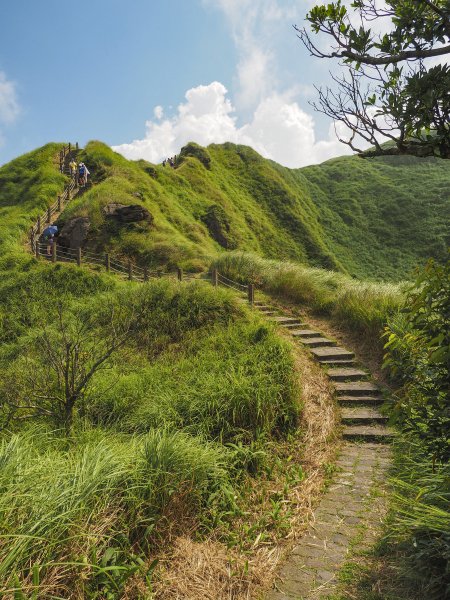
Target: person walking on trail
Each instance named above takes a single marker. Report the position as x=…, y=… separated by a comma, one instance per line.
x=50, y=243
x=82, y=174
x=73, y=168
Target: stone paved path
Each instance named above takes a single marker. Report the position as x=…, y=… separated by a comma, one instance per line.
x=350, y=507
x=349, y=503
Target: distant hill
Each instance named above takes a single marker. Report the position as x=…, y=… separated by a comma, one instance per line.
x=374, y=218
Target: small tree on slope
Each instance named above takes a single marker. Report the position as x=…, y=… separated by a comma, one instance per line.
x=52, y=377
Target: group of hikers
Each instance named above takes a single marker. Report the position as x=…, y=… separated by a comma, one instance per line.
x=79, y=172
x=170, y=161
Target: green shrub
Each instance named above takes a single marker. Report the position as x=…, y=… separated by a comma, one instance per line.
x=418, y=355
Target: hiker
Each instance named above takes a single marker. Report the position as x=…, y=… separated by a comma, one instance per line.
x=50, y=242
x=82, y=174
x=164, y=163
x=73, y=168
x=171, y=162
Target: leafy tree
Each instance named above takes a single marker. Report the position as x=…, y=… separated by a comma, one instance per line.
x=52, y=376
x=387, y=91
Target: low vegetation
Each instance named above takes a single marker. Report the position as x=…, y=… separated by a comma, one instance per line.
x=163, y=434
x=134, y=416
x=358, y=306
x=371, y=219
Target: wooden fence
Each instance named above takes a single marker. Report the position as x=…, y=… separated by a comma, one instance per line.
x=124, y=268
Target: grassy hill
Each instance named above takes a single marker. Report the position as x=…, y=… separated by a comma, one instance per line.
x=190, y=429
x=375, y=218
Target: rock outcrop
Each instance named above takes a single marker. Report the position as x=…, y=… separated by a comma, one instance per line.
x=130, y=213
x=74, y=233
x=219, y=227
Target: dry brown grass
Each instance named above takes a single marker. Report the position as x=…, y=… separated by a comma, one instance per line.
x=209, y=571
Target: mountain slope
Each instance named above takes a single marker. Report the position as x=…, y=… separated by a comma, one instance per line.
x=375, y=218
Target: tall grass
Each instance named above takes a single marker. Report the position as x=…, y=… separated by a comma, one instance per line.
x=181, y=416
x=419, y=521
x=229, y=384
x=358, y=306
x=63, y=505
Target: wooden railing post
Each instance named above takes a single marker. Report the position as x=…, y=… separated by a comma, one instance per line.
x=69, y=147
x=215, y=278
x=76, y=146
x=159, y=273
x=251, y=293
x=107, y=262
x=130, y=270
x=180, y=274
x=37, y=249
x=38, y=230
x=54, y=251
x=49, y=215
x=59, y=203
x=79, y=256
x=145, y=273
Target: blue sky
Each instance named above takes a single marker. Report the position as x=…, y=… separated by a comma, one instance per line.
x=147, y=76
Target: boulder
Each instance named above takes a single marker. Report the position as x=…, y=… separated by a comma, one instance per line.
x=74, y=233
x=127, y=213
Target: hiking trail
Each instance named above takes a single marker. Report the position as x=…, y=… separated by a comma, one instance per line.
x=352, y=503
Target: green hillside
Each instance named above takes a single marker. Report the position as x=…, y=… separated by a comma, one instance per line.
x=374, y=218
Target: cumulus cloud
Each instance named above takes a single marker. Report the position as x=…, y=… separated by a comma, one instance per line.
x=9, y=107
x=278, y=129
x=275, y=124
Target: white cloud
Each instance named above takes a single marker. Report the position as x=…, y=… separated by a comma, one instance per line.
x=278, y=129
x=274, y=123
x=253, y=25
x=158, y=112
x=9, y=107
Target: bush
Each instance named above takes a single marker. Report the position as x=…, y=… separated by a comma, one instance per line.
x=63, y=510
x=418, y=355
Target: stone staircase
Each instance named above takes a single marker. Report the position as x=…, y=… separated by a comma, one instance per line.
x=358, y=398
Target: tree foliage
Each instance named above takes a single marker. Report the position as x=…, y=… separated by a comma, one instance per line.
x=390, y=89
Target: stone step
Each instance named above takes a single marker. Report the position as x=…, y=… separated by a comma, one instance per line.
x=346, y=374
x=281, y=320
x=357, y=388
x=305, y=333
x=361, y=415
x=326, y=355
x=338, y=362
x=293, y=326
x=264, y=307
x=368, y=433
x=318, y=342
x=360, y=400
